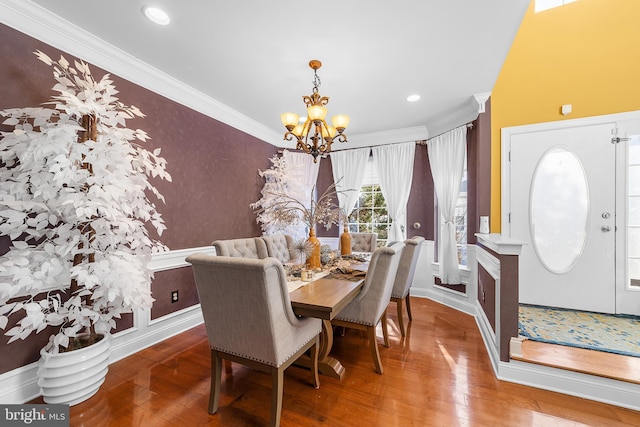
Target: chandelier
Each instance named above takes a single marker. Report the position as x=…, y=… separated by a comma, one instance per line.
x=315, y=136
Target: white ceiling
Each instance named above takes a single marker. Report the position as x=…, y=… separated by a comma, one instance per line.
x=253, y=55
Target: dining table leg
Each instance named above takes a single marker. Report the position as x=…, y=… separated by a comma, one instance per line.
x=327, y=365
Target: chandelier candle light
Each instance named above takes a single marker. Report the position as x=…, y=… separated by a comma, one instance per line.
x=321, y=134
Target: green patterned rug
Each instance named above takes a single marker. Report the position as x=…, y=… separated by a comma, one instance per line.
x=595, y=331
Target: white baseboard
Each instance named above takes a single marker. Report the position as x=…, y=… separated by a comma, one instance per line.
x=600, y=389
x=451, y=299
x=20, y=385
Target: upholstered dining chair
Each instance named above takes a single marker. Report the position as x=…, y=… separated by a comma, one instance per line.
x=279, y=246
x=364, y=242
x=404, y=278
x=250, y=247
x=370, y=306
x=249, y=320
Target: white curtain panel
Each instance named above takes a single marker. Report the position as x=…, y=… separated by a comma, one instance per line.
x=303, y=163
x=348, y=171
x=446, y=156
x=394, y=165
x=302, y=167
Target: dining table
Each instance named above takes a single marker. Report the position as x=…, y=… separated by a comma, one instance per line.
x=324, y=297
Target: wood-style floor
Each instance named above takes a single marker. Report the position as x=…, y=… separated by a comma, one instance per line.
x=439, y=375
x=608, y=365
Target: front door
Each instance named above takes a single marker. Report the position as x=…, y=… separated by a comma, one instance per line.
x=571, y=193
x=563, y=209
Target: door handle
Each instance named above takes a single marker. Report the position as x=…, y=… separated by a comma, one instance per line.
x=605, y=228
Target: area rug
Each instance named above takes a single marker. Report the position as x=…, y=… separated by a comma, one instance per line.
x=618, y=334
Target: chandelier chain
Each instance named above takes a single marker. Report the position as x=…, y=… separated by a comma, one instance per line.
x=316, y=81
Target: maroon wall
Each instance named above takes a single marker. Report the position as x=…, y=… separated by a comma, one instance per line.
x=479, y=172
x=420, y=207
x=214, y=169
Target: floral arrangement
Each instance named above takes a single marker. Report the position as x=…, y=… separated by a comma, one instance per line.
x=286, y=210
x=73, y=201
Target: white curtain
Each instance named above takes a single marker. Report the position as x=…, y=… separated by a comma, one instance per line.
x=302, y=167
x=446, y=156
x=394, y=165
x=348, y=171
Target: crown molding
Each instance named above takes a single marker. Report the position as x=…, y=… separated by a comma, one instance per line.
x=466, y=114
x=35, y=21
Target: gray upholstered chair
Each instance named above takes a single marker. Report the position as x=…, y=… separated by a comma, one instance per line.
x=279, y=246
x=249, y=320
x=404, y=278
x=370, y=306
x=364, y=242
x=251, y=247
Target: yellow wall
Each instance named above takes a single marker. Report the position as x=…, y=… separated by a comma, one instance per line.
x=585, y=53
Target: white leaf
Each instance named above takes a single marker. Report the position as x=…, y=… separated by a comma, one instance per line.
x=11, y=121
x=18, y=244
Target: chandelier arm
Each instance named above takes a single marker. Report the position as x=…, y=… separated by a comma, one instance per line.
x=289, y=136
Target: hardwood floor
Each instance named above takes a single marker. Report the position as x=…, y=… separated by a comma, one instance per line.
x=439, y=375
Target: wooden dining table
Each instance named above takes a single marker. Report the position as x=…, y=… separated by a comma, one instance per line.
x=324, y=298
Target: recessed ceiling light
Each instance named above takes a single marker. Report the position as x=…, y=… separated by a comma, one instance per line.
x=156, y=15
x=413, y=98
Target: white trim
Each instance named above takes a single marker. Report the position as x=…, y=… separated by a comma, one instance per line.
x=600, y=389
x=176, y=258
x=132, y=340
x=465, y=273
x=331, y=241
x=466, y=113
x=500, y=244
x=490, y=263
x=454, y=300
x=20, y=385
x=37, y=22
x=489, y=338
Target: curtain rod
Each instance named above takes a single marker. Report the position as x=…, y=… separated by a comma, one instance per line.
x=418, y=142
x=424, y=141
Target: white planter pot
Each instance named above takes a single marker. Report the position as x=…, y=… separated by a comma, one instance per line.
x=73, y=377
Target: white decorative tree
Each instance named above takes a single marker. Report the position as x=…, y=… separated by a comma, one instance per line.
x=73, y=201
x=280, y=180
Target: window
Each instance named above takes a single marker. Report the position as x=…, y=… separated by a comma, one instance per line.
x=550, y=4
x=461, y=218
x=370, y=214
x=633, y=213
